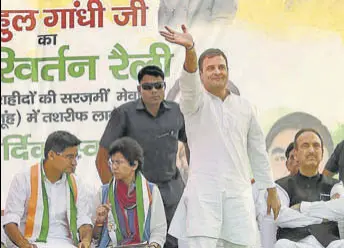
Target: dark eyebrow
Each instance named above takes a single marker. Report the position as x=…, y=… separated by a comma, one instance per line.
x=72, y=154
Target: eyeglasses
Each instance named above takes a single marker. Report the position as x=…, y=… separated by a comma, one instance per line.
x=116, y=162
x=156, y=85
x=70, y=157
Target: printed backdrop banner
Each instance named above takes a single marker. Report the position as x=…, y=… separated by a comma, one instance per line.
x=65, y=65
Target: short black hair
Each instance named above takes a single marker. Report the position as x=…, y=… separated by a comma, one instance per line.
x=304, y=130
x=130, y=149
x=289, y=149
x=300, y=120
x=58, y=141
x=151, y=70
x=209, y=53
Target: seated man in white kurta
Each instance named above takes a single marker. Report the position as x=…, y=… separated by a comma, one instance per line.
x=307, y=218
x=309, y=213
x=46, y=204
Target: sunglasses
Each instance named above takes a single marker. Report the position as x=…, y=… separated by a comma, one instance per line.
x=157, y=86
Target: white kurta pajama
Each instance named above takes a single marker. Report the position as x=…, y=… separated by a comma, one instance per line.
x=310, y=213
x=59, y=234
x=224, y=138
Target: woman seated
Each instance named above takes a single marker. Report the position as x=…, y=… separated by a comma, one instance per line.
x=129, y=210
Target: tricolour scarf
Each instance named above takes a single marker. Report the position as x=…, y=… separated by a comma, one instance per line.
x=129, y=217
x=37, y=222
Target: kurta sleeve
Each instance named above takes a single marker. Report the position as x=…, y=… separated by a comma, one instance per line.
x=97, y=201
x=331, y=210
x=290, y=218
x=82, y=204
x=18, y=194
x=258, y=156
x=158, y=225
x=191, y=92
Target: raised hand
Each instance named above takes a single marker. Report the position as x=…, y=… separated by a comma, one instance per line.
x=102, y=213
x=181, y=38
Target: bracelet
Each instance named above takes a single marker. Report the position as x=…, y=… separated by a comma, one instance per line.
x=189, y=48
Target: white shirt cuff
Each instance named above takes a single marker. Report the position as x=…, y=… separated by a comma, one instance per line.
x=189, y=74
x=188, y=77
x=160, y=242
x=11, y=218
x=304, y=206
x=265, y=185
x=84, y=221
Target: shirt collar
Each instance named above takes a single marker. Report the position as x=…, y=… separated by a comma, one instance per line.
x=141, y=106
x=317, y=176
x=62, y=180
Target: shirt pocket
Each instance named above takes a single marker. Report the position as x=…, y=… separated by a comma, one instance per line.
x=167, y=134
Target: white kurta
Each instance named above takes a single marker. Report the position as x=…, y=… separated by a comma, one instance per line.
x=224, y=138
x=310, y=213
x=17, y=202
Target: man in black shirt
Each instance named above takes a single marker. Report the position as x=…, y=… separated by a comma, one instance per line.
x=336, y=162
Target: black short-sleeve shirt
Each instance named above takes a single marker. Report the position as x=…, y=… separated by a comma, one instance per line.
x=158, y=135
x=336, y=162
